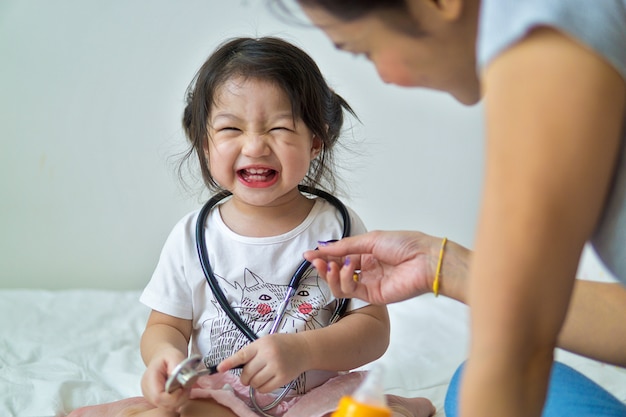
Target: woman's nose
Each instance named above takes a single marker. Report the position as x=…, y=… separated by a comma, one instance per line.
x=255, y=145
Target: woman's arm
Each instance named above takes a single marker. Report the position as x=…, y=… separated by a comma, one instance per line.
x=395, y=266
x=594, y=325
x=554, y=113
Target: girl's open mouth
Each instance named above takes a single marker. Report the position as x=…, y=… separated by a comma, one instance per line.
x=258, y=177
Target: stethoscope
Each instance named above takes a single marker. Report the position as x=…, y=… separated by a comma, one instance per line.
x=188, y=371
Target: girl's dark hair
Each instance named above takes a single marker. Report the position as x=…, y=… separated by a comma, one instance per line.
x=277, y=61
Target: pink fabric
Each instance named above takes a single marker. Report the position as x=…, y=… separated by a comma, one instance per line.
x=227, y=390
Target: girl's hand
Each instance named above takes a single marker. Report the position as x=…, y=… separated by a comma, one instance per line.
x=395, y=266
x=155, y=376
x=270, y=362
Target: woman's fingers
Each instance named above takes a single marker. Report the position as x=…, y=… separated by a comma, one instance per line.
x=341, y=248
x=346, y=277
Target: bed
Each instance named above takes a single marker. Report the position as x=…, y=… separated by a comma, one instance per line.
x=63, y=349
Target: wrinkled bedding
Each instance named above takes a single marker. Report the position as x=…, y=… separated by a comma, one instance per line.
x=67, y=348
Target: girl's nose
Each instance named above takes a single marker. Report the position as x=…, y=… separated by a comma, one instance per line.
x=255, y=145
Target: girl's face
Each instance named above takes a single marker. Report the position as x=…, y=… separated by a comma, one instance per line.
x=256, y=149
x=442, y=58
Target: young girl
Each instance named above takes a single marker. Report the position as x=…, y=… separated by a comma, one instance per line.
x=262, y=121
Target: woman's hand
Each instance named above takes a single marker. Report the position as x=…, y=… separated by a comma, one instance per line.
x=395, y=266
x=270, y=362
x=155, y=376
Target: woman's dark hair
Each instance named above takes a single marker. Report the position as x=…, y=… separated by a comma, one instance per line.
x=393, y=13
x=277, y=61
x=348, y=10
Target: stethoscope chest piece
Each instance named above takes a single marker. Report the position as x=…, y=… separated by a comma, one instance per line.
x=185, y=374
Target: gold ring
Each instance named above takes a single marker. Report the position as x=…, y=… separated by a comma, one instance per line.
x=356, y=275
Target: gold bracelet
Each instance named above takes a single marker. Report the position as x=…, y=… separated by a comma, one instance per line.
x=439, y=263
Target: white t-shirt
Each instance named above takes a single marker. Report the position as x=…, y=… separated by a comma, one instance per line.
x=599, y=25
x=253, y=273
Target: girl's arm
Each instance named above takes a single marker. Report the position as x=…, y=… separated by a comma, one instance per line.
x=272, y=361
x=554, y=112
x=360, y=337
x=164, y=345
x=164, y=332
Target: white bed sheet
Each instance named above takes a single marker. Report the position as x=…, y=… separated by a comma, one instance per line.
x=64, y=349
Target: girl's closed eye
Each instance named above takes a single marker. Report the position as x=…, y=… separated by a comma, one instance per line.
x=227, y=130
x=284, y=128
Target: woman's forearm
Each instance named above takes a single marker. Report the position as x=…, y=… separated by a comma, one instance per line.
x=455, y=271
x=594, y=325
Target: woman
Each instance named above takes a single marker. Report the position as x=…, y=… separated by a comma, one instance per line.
x=552, y=75
x=396, y=266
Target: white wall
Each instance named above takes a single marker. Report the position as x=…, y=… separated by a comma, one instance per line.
x=91, y=94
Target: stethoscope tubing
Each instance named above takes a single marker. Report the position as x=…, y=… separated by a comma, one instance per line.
x=293, y=283
x=208, y=271
x=296, y=277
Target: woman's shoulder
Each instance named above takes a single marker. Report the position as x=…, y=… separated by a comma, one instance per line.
x=598, y=25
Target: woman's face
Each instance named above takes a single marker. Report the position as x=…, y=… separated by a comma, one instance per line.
x=442, y=57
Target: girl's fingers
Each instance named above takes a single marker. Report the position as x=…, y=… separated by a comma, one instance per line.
x=237, y=360
x=262, y=382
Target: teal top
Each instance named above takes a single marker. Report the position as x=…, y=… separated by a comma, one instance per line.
x=601, y=26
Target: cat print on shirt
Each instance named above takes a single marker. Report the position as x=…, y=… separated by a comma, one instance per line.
x=258, y=306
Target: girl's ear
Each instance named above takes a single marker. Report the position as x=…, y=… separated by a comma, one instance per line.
x=205, y=150
x=316, y=146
